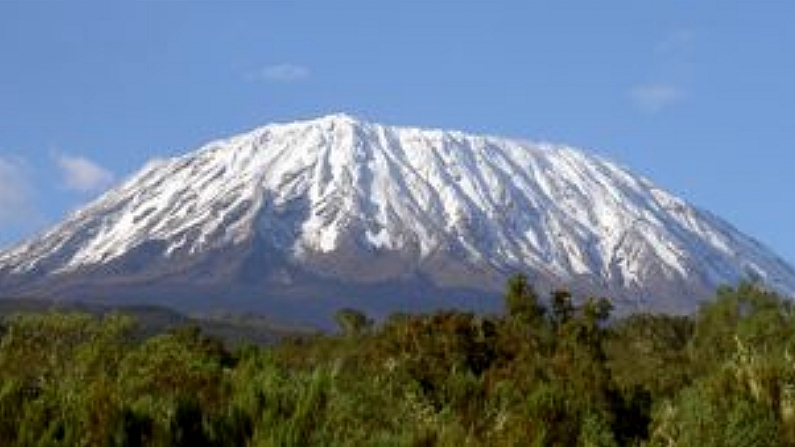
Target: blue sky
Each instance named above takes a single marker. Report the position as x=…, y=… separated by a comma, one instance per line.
x=696, y=95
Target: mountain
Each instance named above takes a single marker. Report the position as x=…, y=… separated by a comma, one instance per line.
x=298, y=219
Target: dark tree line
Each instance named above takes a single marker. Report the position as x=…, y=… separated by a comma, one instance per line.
x=549, y=372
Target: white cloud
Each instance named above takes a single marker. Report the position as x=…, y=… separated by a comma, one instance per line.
x=281, y=73
x=81, y=174
x=673, y=57
x=655, y=97
x=16, y=194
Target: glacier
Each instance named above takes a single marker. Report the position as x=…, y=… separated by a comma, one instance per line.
x=344, y=200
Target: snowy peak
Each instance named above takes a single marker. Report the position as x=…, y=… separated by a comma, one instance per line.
x=360, y=202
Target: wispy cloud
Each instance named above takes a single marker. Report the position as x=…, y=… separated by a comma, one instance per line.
x=281, y=73
x=16, y=193
x=673, y=63
x=655, y=97
x=81, y=174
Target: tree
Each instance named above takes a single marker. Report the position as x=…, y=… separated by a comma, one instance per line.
x=352, y=322
x=562, y=308
x=521, y=301
x=747, y=313
x=651, y=351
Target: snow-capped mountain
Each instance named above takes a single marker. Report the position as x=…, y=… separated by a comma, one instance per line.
x=301, y=217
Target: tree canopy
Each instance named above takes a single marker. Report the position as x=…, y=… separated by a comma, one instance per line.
x=554, y=373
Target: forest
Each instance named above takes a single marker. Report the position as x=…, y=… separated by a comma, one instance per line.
x=555, y=370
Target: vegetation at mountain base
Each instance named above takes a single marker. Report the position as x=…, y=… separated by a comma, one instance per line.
x=549, y=372
x=150, y=320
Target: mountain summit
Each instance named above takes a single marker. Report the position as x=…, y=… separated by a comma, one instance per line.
x=296, y=219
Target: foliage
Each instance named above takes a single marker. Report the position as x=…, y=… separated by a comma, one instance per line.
x=352, y=322
x=521, y=300
x=563, y=376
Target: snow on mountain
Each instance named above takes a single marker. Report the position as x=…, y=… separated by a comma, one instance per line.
x=353, y=202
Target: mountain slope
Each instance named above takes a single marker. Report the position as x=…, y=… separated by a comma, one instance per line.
x=335, y=205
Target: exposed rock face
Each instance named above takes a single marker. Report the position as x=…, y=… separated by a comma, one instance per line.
x=294, y=219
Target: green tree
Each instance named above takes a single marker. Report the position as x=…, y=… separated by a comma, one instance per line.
x=521, y=300
x=352, y=322
x=562, y=308
x=749, y=314
x=651, y=352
